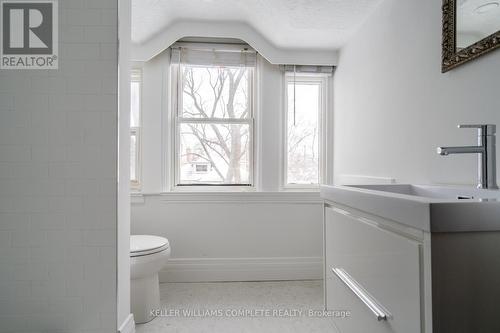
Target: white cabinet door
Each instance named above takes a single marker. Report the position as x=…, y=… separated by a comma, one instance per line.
x=386, y=265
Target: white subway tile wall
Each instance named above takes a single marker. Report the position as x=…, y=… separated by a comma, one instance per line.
x=58, y=174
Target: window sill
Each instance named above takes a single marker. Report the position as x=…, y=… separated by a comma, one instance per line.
x=136, y=198
x=211, y=189
x=300, y=189
x=283, y=197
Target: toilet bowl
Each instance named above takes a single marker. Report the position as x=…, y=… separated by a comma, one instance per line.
x=148, y=255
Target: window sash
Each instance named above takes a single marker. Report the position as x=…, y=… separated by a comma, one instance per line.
x=177, y=159
x=304, y=79
x=136, y=77
x=178, y=120
x=135, y=184
x=179, y=98
x=214, y=120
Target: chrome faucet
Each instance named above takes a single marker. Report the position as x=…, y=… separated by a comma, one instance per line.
x=486, y=151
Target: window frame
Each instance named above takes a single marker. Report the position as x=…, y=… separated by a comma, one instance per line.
x=305, y=78
x=136, y=185
x=177, y=120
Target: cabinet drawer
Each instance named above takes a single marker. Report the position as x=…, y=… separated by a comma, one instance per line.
x=385, y=265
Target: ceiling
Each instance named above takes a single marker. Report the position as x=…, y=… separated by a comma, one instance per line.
x=307, y=24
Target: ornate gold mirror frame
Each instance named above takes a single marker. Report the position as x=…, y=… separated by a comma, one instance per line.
x=452, y=58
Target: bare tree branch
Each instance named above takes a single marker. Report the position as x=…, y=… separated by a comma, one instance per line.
x=207, y=152
x=199, y=107
x=228, y=145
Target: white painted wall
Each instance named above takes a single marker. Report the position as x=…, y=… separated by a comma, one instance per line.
x=235, y=236
x=393, y=106
x=58, y=176
x=155, y=90
x=227, y=240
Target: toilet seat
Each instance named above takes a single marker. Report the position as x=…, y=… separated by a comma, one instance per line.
x=142, y=245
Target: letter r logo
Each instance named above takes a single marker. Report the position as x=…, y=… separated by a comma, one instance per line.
x=29, y=34
x=27, y=27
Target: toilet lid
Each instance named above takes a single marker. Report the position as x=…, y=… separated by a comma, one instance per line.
x=147, y=244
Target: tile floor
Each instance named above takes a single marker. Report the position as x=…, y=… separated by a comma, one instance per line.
x=224, y=296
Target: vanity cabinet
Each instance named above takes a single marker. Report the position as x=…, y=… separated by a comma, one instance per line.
x=374, y=270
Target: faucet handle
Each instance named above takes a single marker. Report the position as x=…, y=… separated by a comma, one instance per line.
x=483, y=129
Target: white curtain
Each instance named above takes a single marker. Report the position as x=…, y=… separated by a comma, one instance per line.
x=307, y=69
x=204, y=54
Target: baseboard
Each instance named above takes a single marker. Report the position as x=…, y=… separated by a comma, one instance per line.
x=242, y=269
x=128, y=325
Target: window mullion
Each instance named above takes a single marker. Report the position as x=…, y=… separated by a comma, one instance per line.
x=214, y=120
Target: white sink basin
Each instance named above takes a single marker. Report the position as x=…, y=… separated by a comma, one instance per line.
x=426, y=207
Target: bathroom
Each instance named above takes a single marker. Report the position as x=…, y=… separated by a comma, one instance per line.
x=250, y=166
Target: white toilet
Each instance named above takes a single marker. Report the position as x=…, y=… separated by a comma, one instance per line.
x=148, y=255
